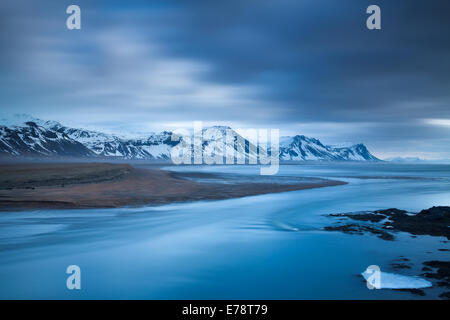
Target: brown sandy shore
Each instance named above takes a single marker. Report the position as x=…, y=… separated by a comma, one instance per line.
x=104, y=185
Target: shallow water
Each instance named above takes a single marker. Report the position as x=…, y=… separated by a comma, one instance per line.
x=262, y=247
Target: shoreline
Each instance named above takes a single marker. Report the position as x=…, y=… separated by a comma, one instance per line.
x=106, y=185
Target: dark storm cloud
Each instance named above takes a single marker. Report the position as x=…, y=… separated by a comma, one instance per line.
x=312, y=55
x=301, y=65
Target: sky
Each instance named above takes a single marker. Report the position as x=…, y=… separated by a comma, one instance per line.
x=304, y=66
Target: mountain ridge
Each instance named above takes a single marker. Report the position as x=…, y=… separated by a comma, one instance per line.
x=45, y=138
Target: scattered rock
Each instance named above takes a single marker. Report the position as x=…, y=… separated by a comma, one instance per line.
x=400, y=266
x=347, y=228
x=361, y=216
x=401, y=263
x=418, y=292
x=381, y=233
x=441, y=273
x=434, y=221
x=442, y=270
x=445, y=295
x=359, y=229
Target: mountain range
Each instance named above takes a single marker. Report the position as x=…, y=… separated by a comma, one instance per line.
x=30, y=137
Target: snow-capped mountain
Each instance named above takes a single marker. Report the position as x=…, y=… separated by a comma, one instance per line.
x=300, y=148
x=236, y=145
x=30, y=139
x=27, y=136
x=155, y=146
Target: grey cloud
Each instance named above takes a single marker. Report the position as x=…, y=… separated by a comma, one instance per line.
x=272, y=63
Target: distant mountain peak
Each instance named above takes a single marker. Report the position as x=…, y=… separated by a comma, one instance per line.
x=301, y=147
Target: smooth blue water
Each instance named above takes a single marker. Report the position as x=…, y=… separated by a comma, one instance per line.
x=262, y=247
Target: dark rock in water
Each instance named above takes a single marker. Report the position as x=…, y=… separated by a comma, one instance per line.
x=361, y=217
x=381, y=233
x=445, y=295
x=442, y=272
x=400, y=266
x=434, y=222
x=401, y=263
x=418, y=292
x=392, y=212
x=359, y=229
x=435, y=213
x=348, y=228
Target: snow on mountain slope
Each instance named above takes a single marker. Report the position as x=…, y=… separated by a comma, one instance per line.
x=31, y=139
x=25, y=135
x=155, y=146
x=235, y=146
x=299, y=148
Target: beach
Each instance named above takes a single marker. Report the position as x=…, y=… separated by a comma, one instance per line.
x=106, y=185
